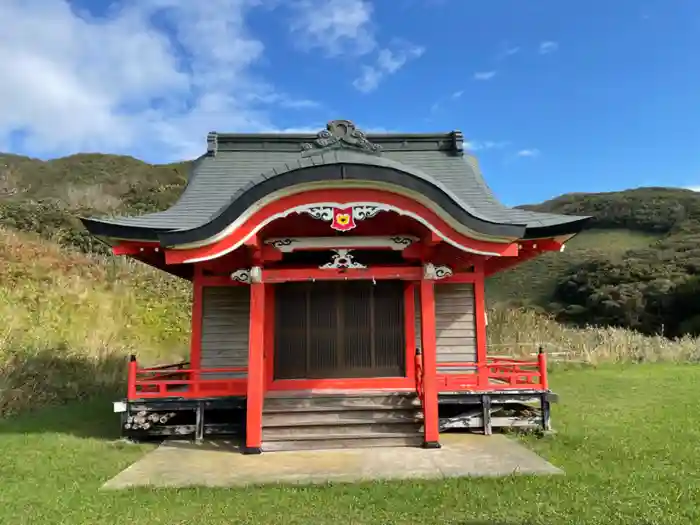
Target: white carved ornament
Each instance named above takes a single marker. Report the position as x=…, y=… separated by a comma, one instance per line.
x=287, y=244
x=247, y=275
x=342, y=259
x=435, y=273
x=344, y=218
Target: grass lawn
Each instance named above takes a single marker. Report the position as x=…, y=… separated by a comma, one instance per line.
x=627, y=439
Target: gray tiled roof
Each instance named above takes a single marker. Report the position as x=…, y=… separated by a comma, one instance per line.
x=236, y=160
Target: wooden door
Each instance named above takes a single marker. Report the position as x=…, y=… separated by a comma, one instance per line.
x=339, y=329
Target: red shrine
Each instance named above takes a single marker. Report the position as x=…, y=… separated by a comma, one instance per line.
x=338, y=293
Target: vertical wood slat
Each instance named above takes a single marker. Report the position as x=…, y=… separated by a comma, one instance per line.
x=357, y=337
x=350, y=329
x=292, y=336
x=455, y=331
x=224, y=329
x=390, y=333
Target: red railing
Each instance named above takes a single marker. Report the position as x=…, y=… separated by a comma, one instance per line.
x=176, y=381
x=170, y=371
x=496, y=374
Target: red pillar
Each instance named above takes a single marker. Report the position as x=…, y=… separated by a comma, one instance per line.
x=480, y=322
x=256, y=370
x=430, y=389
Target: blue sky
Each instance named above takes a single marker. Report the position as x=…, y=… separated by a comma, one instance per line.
x=553, y=96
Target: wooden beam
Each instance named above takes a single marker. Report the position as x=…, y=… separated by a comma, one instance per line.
x=534, y=249
x=134, y=248
x=396, y=242
x=219, y=280
x=459, y=278
x=545, y=245
x=406, y=273
x=269, y=254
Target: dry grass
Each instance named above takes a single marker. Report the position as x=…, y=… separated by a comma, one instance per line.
x=70, y=321
x=518, y=331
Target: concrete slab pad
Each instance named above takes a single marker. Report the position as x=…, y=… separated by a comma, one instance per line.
x=220, y=464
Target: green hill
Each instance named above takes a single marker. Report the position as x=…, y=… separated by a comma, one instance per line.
x=535, y=282
x=634, y=267
x=638, y=265
x=45, y=196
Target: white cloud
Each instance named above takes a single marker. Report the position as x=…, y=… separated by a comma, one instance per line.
x=388, y=62
x=507, y=51
x=119, y=83
x=477, y=145
x=336, y=27
x=484, y=75
x=438, y=104
x=548, y=47
x=341, y=28
x=528, y=153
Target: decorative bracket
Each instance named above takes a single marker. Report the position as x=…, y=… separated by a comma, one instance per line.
x=292, y=244
x=435, y=273
x=342, y=259
x=344, y=219
x=339, y=134
x=248, y=275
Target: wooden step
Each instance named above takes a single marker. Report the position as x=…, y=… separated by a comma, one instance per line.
x=339, y=442
x=325, y=402
x=340, y=417
x=344, y=419
x=339, y=430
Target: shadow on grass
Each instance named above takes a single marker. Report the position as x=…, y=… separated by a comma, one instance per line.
x=92, y=418
x=52, y=391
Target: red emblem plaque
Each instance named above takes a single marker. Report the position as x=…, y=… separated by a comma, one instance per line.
x=343, y=219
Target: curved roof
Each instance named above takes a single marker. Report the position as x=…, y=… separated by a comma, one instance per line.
x=239, y=169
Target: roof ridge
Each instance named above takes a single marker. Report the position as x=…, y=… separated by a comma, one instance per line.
x=336, y=131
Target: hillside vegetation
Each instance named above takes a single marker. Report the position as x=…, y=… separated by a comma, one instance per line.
x=637, y=266
x=652, y=288
x=535, y=282
x=72, y=313
x=47, y=197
